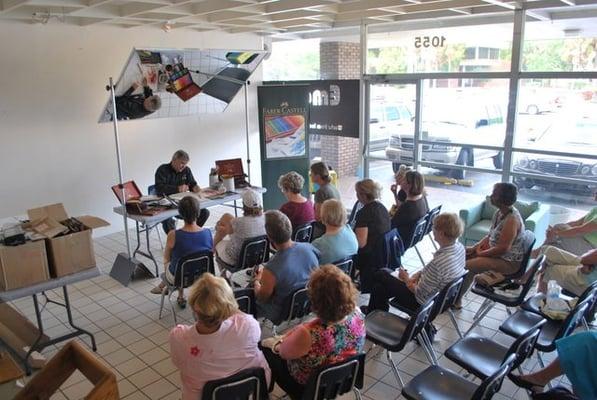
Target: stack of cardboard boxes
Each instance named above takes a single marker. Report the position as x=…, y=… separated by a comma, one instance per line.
x=63, y=246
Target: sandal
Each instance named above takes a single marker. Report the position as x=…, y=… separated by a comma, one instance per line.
x=182, y=302
x=158, y=290
x=523, y=383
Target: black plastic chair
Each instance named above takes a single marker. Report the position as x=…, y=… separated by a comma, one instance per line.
x=336, y=379
x=393, y=249
x=303, y=233
x=393, y=332
x=483, y=356
x=429, y=228
x=443, y=303
x=245, y=297
x=346, y=265
x=352, y=217
x=521, y=321
x=534, y=303
x=492, y=298
x=296, y=306
x=188, y=270
x=418, y=234
x=440, y=383
x=249, y=383
x=254, y=251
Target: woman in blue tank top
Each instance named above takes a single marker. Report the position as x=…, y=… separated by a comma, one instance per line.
x=191, y=238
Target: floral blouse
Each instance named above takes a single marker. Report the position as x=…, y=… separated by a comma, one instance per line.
x=329, y=344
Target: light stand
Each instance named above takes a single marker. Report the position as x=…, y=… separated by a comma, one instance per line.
x=245, y=85
x=125, y=265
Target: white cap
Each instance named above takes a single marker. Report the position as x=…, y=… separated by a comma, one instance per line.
x=251, y=199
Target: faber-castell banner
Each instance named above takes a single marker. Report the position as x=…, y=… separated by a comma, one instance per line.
x=283, y=127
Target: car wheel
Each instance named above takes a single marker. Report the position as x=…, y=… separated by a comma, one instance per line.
x=498, y=160
x=532, y=109
x=463, y=159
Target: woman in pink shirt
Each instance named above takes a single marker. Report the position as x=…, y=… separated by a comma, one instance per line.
x=222, y=342
x=337, y=333
x=298, y=208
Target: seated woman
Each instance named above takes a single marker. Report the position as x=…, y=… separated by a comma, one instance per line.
x=221, y=343
x=232, y=232
x=577, y=358
x=298, y=208
x=189, y=239
x=320, y=175
x=337, y=332
x=576, y=237
x=412, y=291
x=413, y=208
x=339, y=241
x=573, y=273
x=372, y=221
x=397, y=190
x=502, y=250
x=286, y=271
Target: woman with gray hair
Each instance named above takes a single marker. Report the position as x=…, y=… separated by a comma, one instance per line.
x=372, y=221
x=298, y=208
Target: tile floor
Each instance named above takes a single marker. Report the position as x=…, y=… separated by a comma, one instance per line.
x=134, y=342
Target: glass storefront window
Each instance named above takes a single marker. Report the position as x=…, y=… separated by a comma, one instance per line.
x=565, y=45
x=452, y=49
x=292, y=61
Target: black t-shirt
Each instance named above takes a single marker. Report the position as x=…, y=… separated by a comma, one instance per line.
x=401, y=196
x=167, y=180
x=375, y=217
x=407, y=216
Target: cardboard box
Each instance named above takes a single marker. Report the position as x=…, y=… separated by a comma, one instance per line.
x=23, y=265
x=68, y=253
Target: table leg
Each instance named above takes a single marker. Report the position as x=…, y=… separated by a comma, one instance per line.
x=235, y=209
x=147, y=230
x=70, y=319
x=35, y=344
x=138, y=239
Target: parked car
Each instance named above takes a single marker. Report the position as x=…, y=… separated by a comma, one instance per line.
x=386, y=119
x=568, y=135
x=471, y=123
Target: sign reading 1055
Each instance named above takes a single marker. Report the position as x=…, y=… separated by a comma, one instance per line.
x=429, y=41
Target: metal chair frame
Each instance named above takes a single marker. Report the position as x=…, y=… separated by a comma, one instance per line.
x=172, y=287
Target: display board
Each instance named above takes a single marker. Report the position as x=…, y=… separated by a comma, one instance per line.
x=333, y=106
x=164, y=83
x=283, y=127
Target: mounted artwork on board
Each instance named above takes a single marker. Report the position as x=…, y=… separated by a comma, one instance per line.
x=163, y=83
x=283, y=123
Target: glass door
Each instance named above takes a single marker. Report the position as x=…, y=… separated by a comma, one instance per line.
x=389, y=138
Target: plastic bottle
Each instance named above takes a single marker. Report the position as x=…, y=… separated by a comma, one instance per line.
x=553, y=294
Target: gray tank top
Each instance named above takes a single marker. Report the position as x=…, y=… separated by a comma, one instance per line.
x=516, y=252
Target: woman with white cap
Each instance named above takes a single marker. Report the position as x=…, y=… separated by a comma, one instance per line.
x=232, y=232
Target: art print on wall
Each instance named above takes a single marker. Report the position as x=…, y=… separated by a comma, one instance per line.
x=163, y=83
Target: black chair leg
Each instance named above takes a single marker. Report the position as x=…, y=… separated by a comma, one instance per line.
x=394, y=369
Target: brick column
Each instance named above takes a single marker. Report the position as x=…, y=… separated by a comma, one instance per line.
x=340, y=60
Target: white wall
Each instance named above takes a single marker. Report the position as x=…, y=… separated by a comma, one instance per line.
x=52, y=90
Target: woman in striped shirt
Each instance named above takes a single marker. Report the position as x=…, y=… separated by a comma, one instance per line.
x=412, y=291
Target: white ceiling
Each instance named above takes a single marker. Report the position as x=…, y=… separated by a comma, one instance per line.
x=279, y=18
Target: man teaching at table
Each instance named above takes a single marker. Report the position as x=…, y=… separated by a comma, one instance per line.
x=176, y=177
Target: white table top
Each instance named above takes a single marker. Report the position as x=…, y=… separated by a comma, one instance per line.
x=203, y=202
x=14, y=294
